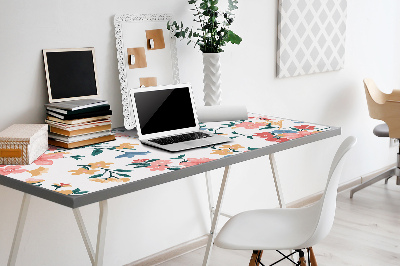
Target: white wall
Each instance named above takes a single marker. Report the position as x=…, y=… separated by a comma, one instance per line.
x=146, y=222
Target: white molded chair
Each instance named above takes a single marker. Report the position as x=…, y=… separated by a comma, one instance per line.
x=287, y=229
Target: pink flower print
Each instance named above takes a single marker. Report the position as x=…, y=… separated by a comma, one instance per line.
x=250, y=125
x=159, y=165
x=46, y=159
x=291, y=135
x=306, y=127
x=264, y=118
x=297, y=135
x=282, y=140
x=11, y=169
x=266, y=135
x=195, y=161
x=140, y=160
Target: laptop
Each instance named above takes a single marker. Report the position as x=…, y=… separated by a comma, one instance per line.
x=166, y=118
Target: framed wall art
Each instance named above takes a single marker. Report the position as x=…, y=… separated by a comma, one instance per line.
x=311, y=36
x=146, y=53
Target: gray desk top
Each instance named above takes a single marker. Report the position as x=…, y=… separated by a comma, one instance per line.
x=82, y=176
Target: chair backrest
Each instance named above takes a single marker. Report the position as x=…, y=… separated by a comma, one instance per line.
x=385, y=107
x=327, y=203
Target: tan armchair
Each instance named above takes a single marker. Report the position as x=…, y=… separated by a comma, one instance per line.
x=385, y=107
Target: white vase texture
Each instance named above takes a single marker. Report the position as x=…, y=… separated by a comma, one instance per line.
x=212, y=82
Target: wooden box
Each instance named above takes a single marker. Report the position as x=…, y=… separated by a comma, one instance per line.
x=23, y=143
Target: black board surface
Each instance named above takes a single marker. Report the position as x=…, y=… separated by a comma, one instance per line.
x=71, y=74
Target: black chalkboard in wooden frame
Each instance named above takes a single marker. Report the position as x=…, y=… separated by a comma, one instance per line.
x=70, y=74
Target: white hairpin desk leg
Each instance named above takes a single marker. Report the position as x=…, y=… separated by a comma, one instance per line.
x=277, y=182
x=215, y=217
x=210, y=195
x=101, y=233
x=95, y=258
x=278, y=187
x=19, y=229
x=85, y=236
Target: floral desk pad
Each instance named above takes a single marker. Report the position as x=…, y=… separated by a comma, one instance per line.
x=105, y=165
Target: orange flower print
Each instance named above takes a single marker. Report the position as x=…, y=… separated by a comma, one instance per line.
x=38, y=171
x=101, y=164
x=233, y=147
x=278, y=123
x=83, y=171
x=65, y=192
x=33, y=180
x=126, y=146
x=222, y=152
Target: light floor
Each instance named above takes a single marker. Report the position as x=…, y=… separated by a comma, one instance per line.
x=366, y=232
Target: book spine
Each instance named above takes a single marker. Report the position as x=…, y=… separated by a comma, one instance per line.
x=81, y=143
x=80, y=116
x=79, y=111
x=79, y=131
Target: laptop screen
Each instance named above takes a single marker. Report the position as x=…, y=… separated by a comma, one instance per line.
x=164, y=110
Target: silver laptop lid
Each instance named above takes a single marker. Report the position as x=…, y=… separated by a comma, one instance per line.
x=164, y=110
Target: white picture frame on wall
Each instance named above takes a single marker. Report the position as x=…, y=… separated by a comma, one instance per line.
x=130, y=32
x=311, y=37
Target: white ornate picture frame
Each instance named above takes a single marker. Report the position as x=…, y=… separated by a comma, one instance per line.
x=130, y=32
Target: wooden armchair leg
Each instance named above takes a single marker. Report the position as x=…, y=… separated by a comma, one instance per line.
x=255, y=258
x=313, y=260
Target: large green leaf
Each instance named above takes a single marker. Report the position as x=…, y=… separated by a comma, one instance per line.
x=234, y=38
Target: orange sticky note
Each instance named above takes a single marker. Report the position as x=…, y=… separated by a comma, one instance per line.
x=139, y=56
x=148, y=82
x=155, y=39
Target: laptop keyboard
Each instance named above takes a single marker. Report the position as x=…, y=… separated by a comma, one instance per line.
x=180, y=138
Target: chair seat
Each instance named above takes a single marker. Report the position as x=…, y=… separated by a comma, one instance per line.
x=381, y=130
x=269, y=229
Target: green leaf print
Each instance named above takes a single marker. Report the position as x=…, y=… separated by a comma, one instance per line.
x=97, y=152
x=78, y=191
x=122, y=170
x=77, y=157
x=96, y=176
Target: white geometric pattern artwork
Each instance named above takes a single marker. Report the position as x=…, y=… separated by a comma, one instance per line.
x=311, y=36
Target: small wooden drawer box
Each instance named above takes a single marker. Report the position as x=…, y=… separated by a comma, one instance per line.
x=23, y=143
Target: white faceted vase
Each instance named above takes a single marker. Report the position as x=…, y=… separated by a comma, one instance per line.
x=212, y=75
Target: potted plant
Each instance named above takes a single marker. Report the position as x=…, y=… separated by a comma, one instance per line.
x=212, y=35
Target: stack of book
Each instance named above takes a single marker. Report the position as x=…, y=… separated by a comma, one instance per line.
x=79, y=123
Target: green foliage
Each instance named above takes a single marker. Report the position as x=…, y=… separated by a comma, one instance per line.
x=214, y=32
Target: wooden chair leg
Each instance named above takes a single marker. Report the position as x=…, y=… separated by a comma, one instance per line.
x=313, y=260
x=255, y=258
x=302, y=259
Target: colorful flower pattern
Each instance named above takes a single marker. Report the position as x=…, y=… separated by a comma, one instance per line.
x=104, y=165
